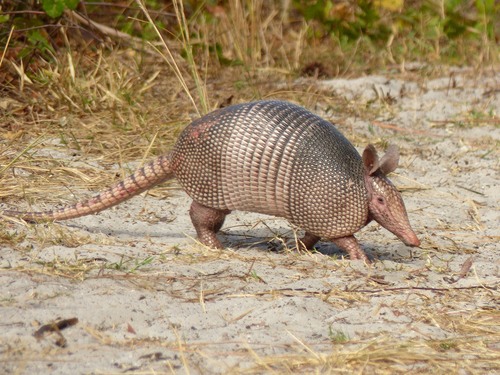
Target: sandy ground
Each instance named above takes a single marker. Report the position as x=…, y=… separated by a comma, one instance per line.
x=149, y=299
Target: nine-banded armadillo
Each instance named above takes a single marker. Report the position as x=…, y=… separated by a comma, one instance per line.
x=274, y=158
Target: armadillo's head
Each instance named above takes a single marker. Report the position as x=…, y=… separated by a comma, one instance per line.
x=384, y=200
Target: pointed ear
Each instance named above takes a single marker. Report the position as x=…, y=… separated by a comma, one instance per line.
x=370, y=160
x=389, y=162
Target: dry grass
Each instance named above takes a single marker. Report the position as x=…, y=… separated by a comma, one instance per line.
x=384, y=356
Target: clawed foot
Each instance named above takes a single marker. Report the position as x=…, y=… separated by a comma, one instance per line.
x=351, y=246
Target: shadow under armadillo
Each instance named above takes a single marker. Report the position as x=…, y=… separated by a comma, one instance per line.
x=278, y=238
x=261, y=233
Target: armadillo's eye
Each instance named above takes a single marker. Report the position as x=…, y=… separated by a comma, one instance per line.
x=380, y=200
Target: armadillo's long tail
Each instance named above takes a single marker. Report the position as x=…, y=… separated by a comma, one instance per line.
x=144, y=178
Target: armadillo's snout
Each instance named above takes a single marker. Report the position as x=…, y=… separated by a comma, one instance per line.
x=411, y=239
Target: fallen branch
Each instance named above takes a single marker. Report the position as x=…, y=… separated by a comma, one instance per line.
x=135, y=42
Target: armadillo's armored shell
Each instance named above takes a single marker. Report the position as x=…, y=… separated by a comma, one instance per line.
x=274, y=158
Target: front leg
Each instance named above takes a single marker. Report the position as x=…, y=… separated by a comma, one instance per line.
x=308, y=241
x=351, y=246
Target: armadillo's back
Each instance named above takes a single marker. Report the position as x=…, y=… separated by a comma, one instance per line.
x=274, y=158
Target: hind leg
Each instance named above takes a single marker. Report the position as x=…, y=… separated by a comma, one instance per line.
x=207, y=221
